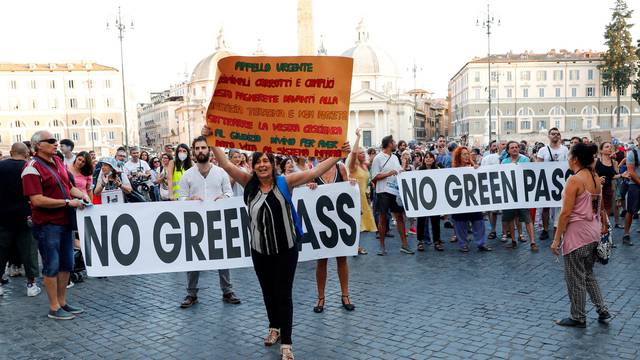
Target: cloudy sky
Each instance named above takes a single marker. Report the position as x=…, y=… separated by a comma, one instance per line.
x=170, y=37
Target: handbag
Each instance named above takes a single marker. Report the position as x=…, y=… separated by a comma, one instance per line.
x=71, y=212
x=604, y=248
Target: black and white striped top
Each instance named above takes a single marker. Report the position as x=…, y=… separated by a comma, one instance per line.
x=272, y=226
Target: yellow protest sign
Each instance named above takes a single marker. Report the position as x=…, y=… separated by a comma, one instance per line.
x=295, y=106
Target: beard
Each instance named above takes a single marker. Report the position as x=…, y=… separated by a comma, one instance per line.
x=202, y=158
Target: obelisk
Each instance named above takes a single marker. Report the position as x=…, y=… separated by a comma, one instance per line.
x=305, y=28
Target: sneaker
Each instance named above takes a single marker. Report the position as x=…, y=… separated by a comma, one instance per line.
x=189, y=301
x=381, y=252
x=72, y=309
x=544, y=235
x=231, y=298
x=14, y=271
x=626, y=240
x=60, y=314
x=33, y=289
x=407, y=250
x=70, y=285
x=604, y=315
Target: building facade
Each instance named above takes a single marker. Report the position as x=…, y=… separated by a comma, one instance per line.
x=530, y=93
x=77, y=101
x=158, y=120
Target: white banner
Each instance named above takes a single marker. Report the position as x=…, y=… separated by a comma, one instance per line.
x=177, y=236
x=488, y=188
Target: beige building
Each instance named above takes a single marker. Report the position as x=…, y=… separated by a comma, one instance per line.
x=158, y=120
x=531, y=93
x=78, y=101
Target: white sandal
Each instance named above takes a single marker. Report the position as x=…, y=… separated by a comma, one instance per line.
x=286, y=352
x=272, y=337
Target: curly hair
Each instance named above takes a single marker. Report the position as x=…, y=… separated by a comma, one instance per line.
x=456, y=158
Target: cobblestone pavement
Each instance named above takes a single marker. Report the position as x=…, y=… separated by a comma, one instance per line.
x=429, y=305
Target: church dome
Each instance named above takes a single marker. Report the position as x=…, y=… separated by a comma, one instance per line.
x=368, y=59
x=207, y=67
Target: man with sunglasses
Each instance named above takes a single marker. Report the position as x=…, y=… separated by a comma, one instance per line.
x=46, y=182
x=555, y=151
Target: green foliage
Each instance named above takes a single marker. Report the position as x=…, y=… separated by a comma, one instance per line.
x=619, y=61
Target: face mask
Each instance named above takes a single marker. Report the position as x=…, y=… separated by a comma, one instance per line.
x=182, y=156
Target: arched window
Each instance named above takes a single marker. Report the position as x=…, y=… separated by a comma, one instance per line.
x=56, y=123
x=96, y=122
x=624, y=115
x=556, y=117
x=18, y=124
x=525, y=119
x=589, y=117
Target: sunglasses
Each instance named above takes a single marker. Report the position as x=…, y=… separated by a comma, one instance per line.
x=49, y=141
x=555, y=134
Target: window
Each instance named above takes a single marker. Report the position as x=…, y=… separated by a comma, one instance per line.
x=476, y=76
x=525, y=75
x=477, y=93
x=509, y=77
x=17, y=124
x=107, y=84
x=557, y=92
x=525, y=125
x=366, y=138
x=542, y=124
x=525, y=92
x=557, y=75
x=56, y=136
x=73, y=103
x=494, y=76
x=52, y=84
x=493, y=93
x=111, y=135
x=541, y=92
x=14, y=104
x=91, y=103
x=108, y=102
x=94, y=136
x=55, y=123
x=509, y=93
x=590, y=74
x=606, y=91
x=33, y=84
x=365, y=85
x=591, y=91
x=574, y=92
x=541, y=75
x=574, y=74
x=557, y=123
x=110, y=121
x=623, y=92
x=34, y=104
x=13, y=84
x=75, y=136
x=36, y=123
x=90, y=84
x=71, y=84
x=53, y=103
x=18, y=138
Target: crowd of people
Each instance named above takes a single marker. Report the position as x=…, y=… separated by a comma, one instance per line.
x=43, y=181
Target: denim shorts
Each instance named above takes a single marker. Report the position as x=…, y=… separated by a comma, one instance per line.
x=55, y=243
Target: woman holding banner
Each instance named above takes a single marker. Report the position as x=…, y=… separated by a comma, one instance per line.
x=580, y=225
x=274, y=233
x=461, y=158
x=429, y=163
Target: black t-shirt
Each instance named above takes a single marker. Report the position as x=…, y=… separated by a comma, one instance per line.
x=15, y=206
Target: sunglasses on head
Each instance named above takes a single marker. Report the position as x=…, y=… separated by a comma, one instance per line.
x=50, y=141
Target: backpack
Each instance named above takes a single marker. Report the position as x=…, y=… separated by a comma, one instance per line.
x=281, y=182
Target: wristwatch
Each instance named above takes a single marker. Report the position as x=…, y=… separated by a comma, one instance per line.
x=66, y=202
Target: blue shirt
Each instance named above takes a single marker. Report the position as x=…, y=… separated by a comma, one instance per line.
x=521, y=159
x=443, y=159
x=631, y=160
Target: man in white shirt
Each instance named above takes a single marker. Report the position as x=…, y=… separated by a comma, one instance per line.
x=205, y=182
x=137, y=168
x=492, y=158
x=384, y=169
x=66, y=148
x=555, y=151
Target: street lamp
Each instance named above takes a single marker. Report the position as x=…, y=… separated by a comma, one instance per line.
x=121, y=27
x=486, y=24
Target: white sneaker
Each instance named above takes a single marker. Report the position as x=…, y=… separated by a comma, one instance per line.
x=71, y=283
x=13, y=271
x=33, y=289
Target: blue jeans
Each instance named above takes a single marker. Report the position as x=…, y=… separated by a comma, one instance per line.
x=55, y=243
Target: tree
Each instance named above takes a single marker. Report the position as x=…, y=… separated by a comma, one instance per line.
x=619, y=61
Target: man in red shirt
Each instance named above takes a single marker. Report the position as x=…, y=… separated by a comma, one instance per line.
x=46, y=182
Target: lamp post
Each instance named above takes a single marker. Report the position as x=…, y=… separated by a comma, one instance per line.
x=121, y=27
x=487, y=24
